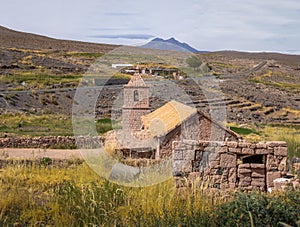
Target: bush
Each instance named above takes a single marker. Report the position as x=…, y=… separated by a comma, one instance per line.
x=260, y=209
x=45, y=161
x=194, y=62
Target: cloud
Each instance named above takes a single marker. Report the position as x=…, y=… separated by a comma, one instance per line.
x=120, y=14
x=123, y=36
x=127, y=28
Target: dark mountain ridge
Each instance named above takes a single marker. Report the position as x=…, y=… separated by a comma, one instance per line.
x=170, y=44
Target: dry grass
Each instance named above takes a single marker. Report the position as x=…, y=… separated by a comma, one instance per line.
x=34, y=194
x=76, y=196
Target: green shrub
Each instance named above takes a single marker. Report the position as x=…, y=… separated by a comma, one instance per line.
x=45, y=161
x=104, y=125
x=260, y=209
x=242, y=131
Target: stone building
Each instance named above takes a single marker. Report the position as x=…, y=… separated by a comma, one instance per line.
x=175, y=121
x=151, y=134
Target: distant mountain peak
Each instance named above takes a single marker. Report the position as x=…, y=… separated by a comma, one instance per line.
x=157, y=40
x=169, y=44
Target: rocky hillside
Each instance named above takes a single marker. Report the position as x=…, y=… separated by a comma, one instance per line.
x=40, y=74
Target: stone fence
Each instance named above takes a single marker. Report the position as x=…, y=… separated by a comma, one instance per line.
x=51, y=142
x=230, y=165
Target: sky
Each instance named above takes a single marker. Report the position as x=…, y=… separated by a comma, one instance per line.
x=244, y=25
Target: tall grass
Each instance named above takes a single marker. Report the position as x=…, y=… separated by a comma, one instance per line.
x=76, y=196
x=39, y=195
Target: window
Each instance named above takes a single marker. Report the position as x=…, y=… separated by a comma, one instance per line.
x=136, y=95
x=258, y=159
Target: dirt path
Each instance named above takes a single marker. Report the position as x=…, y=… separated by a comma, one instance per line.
x=35, y=153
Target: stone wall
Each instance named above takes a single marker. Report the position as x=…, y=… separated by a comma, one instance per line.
x=49, y=142
x=197, y=127
x=131, y=118
x=231, y=164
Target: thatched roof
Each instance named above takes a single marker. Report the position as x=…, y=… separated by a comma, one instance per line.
x=166, y=118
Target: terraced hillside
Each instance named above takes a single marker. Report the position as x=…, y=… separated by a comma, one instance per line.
x=259, y=87
x=39, y=75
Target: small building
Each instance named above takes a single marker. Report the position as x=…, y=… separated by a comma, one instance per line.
x=116, y=66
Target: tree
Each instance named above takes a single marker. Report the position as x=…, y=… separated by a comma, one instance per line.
x=194, y=62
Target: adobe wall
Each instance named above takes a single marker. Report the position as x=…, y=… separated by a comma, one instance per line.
x=230, y=165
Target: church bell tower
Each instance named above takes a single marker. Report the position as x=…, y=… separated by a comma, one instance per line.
x=136, y=102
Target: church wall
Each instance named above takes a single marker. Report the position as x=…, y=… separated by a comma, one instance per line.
x=131, y=118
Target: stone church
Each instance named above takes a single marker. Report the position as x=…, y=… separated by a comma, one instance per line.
x=151, y=134
x=199, y=147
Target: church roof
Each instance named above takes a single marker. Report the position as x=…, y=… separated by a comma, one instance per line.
x=136, y=81
x=166, y=118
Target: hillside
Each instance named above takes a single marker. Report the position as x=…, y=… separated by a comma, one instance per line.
x=15, y=39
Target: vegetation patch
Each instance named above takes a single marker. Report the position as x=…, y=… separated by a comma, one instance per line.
x=104, y=125
x=31, y=80
x=35, y=125
x=47, y=125
x=260, y=209
x=266, y=79
x=289, y=134
x=85, y=54
x=242, y=131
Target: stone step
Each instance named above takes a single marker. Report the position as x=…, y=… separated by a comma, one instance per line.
x=269, y=111
x=241, y=105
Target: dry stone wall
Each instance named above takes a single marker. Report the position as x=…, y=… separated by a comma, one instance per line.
x=50, y=142
x=230, y=165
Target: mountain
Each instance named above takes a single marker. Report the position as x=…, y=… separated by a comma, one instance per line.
x=14, y=39
x=169, y=44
